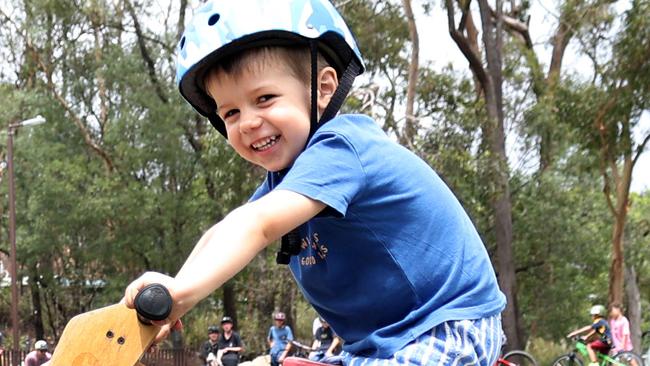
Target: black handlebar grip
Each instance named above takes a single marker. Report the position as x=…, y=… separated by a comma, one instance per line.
x=153, y=302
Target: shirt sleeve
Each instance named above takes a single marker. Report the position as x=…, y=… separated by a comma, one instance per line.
x=329, y=171
x=289, y=334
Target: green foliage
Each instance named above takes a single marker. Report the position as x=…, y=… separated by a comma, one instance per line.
x=561, y=253
x=85, y=231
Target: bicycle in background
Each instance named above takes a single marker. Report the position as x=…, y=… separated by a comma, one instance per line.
x=579, y=356
x=516, y=358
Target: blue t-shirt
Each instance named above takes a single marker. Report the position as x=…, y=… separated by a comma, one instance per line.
x=601, y=326
x=394, y=254
x=280, y=336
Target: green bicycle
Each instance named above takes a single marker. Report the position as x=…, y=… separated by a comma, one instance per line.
x=576, y=357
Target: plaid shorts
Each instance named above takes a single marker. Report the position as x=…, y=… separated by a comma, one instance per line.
x=462, y=342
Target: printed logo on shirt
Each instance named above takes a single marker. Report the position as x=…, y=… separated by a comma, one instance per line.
x=317, y=253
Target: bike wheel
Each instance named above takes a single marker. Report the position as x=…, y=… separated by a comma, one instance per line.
x=645, y=347
x=567, y=360
x=520, y=358
x=628, y=358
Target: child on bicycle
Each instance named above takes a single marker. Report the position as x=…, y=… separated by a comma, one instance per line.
x=279, y=339
x=597, y=333
x=376, y=241
x=620, y=328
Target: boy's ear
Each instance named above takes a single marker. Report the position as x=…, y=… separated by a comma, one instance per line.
x=327, y=84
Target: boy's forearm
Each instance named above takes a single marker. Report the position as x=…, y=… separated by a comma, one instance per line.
x=223, y=251
x=334, y=344
x=227, y=247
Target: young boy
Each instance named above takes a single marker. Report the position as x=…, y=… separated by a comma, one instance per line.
x=620, y=328
x=210, y=348
x=325, y=342
x=279, y=339
x=377, y=243
x=230, y=343
x=599, y=329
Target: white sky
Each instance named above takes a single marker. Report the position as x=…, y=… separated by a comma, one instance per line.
x=436, y=46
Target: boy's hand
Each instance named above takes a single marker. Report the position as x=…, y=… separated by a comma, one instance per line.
x=173, y=320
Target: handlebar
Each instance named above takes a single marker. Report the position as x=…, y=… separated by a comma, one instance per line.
x=577, y=339
x=153, y=302
x=302, y=346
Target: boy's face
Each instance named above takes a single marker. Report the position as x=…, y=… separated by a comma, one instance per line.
x=213, y=336
x=266, y=113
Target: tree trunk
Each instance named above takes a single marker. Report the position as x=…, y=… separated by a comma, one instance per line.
x=230, y=301
x=37, y=319
x=633, y=306
x=286, y=300
x=501, y=203
x=490, y=81
x=410, y=127
x=616, y=272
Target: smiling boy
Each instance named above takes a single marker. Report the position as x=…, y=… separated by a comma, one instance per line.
x=375, y=240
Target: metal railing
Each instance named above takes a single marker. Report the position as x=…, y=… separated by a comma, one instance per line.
x=171, y=357
x=161, y=357
x=7, y=357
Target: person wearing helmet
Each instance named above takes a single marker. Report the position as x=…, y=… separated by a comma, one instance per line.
x=597, y=334
x=210, y=348
x=377, y=242
x=326, y=343
x=39, y=356
x=230, y=343
x=279, y=339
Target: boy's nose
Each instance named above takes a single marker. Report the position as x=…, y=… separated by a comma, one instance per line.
x=249, y=122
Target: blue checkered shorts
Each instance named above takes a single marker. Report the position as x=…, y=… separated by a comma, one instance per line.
x=453, y=343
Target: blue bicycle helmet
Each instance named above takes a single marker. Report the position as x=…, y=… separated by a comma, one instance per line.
x=222, y=28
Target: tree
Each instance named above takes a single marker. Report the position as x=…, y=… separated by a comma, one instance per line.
x=489, y=80
x=615, y=101
x=409, y=134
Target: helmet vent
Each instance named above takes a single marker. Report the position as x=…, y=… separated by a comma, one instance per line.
x=214, y=19
x=182, y=44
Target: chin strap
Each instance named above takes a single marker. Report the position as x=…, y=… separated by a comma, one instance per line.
x=291, y=241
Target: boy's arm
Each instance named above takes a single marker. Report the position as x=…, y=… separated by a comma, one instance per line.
x=228, y=247
x=335, y=342
x=579, y=331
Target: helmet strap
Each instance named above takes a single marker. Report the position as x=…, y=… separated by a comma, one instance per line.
x=345, y=84
x=290, y=243
x=314, y=89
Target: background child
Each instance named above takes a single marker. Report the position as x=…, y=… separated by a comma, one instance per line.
x=230, y=343
x=325, y=342
x=620, y=328
x=210, y=346
x=279, y=338
x=377, y=242
x=598, y=329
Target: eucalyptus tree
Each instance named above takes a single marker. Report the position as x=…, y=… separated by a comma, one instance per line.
x=608, y=111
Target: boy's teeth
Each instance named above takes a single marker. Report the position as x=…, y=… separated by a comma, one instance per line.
x=265, y=144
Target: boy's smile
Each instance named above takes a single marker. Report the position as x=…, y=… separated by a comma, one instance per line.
x=266, y=112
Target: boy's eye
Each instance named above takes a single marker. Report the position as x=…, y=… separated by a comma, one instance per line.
x=229, y=113
x=265, y=98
